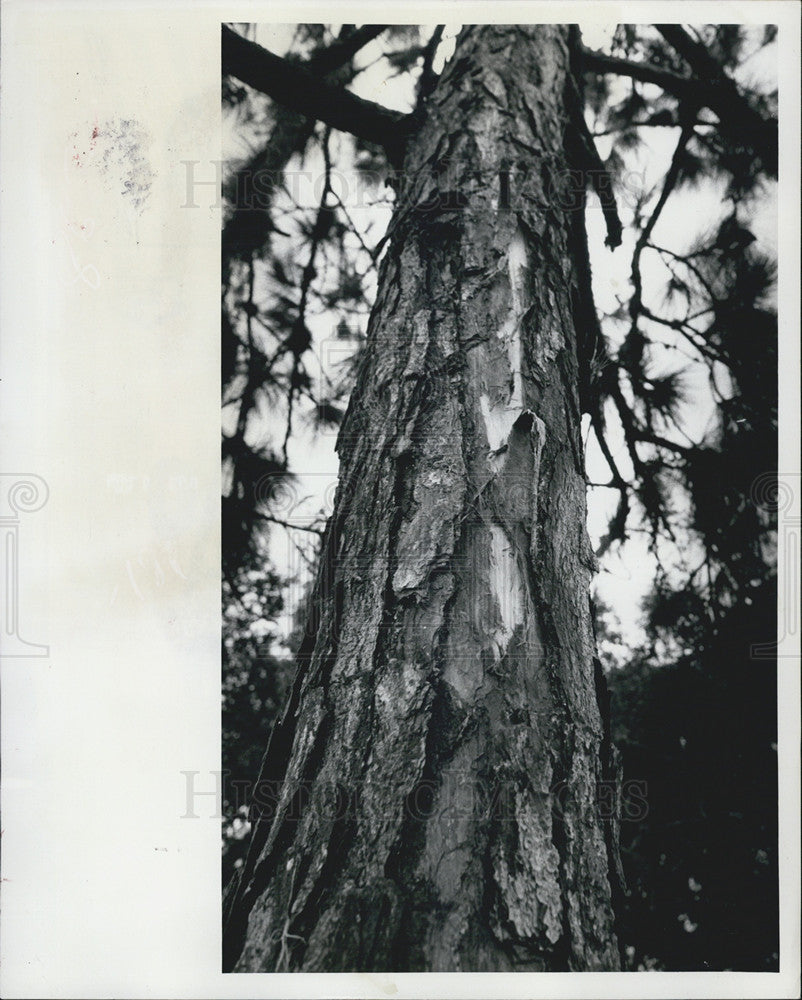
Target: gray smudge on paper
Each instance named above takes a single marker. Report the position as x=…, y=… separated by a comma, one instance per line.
x=121, y=144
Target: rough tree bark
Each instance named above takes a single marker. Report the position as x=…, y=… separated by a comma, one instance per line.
x=433, y=797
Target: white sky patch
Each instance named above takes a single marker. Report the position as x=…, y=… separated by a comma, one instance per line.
x=597, y=34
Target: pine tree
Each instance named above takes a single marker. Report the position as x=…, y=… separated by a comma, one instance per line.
x=440, y=792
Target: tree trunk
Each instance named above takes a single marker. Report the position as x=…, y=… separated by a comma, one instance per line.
x=431, y=799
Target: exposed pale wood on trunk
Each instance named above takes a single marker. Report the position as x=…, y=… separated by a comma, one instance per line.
x=435, y=780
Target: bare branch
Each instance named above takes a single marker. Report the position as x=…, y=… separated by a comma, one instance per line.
x=289, y=525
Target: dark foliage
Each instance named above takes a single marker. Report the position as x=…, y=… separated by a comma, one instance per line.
x=256, y=675
x=698, y=737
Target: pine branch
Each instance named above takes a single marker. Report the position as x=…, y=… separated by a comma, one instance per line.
x=618, y=525
x=629, y=426
x=299, y=90
x=617, y=531
x=428, y=78
x=672, y=176
x=724, y=97
x=680, y=86
x=289, y=525
x=319, y=232
x=692, y=335
x=251, y=222
x=711, y=88
x=343, y=48
x=253, y=379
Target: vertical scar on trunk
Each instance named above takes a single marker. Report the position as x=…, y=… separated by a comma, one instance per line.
x=503, y=405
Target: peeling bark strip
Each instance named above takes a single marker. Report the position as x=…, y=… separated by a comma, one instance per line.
x=430, y=797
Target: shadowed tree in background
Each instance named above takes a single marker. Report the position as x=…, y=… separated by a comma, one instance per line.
x=441, y=791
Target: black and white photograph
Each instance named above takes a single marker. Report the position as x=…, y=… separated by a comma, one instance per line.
x=400, y=491
x=503, y=654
